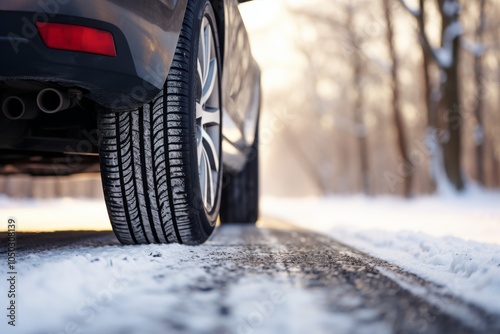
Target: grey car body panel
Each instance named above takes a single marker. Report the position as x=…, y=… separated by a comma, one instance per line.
x=241, y=90
x=151, y=27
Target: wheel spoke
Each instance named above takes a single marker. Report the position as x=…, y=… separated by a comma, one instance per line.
x=210, y=80
x=211, y=117
x=199, y=111
x=199, y=129
x=204, y=177
x=209, y=182
x=200, y=71
x=199, y=148
x=202, y=51
x=207, y=51
x=210, y=150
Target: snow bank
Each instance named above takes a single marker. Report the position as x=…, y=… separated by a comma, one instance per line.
x=453, y=241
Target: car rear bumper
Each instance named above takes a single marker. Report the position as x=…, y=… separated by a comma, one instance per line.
x=145, y=34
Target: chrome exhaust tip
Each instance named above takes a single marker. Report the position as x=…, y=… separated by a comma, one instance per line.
x=19, y=107
x=51, y=100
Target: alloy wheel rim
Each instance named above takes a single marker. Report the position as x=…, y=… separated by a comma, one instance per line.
x=208, y=116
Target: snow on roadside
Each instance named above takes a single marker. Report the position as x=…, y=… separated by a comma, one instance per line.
x=453, y=241
x=46, y=215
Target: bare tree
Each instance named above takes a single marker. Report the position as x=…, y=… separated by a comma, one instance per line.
x=447, y=59
x=429, y=91
x=450, y=106
x=495, y=151
x=479, y=103
x=358, y=71
x=430, y=99
x=396, y=110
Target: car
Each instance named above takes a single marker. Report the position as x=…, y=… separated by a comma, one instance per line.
x=162, y=97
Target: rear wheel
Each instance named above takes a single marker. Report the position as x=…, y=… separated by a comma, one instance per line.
x=240, y=192
x=161, y=164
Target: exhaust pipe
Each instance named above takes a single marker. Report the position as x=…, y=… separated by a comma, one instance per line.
x=20, y=107
x=52, y=100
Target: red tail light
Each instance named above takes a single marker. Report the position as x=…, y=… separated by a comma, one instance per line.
x=77, y=38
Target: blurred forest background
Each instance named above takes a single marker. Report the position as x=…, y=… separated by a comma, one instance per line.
x=365, y=96
x=378, y=96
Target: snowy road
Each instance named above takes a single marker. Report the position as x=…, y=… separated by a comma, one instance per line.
x=273, y=279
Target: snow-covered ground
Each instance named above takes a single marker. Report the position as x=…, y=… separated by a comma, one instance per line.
x=155, y=289
x=452, y=240
x=45, y=215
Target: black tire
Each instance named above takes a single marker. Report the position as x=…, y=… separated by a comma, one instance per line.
x=149, y=157
x=240, y=192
